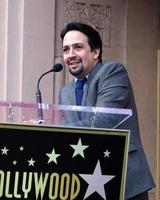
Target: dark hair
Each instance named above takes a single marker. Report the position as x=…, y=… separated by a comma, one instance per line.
x=94, y=39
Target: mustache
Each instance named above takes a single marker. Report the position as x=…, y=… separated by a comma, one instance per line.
x=74, y=59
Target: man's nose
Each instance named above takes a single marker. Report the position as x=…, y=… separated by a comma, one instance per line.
x=71, y=52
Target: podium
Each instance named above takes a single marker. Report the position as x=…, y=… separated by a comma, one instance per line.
x=62, y=152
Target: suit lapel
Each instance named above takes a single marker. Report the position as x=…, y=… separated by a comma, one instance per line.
x=72, y=99
x=90, y=77
x=71, y=116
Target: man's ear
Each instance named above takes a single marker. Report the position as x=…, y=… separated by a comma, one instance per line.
x=96, y=53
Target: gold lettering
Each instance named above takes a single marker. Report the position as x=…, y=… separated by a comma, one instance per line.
x=64, y=187
x=7, y=185
x=1, y=182
x=26, y=189
x=40, y=184
x=56, y=184
x=75, y=184
x=16, y=195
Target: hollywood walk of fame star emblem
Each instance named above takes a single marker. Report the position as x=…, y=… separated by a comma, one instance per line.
x=53, y=156
x=96, y=181
x=79, y=148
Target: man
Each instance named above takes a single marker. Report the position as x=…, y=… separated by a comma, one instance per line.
x=107, y=85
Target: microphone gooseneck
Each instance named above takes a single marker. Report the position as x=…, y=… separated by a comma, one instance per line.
x=56, y=68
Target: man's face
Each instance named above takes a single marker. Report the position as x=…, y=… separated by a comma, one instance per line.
x=77, y=54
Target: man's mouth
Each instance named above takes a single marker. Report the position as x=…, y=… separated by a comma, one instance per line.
x=74, y=62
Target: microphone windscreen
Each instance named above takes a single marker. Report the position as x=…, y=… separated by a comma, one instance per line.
x=57, y=67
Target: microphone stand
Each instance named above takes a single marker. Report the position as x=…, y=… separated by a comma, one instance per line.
x=39, y=99
x=56, y=68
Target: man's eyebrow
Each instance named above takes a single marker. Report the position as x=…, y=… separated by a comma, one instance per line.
x=77, y=43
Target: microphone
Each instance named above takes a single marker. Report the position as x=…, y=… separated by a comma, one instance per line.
x=56, y=68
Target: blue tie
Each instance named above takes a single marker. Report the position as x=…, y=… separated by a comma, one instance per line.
x=79, y=90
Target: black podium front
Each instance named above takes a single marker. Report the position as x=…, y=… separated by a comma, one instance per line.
x=50, y=158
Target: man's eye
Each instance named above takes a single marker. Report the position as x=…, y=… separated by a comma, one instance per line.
x=78, y=47
x=65, y=49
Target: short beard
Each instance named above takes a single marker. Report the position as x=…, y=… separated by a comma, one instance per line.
x=77, y=72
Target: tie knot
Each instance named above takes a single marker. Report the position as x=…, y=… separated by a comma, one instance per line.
x=80, y=83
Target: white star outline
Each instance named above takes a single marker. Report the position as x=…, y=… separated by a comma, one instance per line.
x=52, y=156
x=31, y=162
x=79, y=148
x=4, y=151
x=14, y=162
x=106, y=153
x=21, y=148
x=96, y=181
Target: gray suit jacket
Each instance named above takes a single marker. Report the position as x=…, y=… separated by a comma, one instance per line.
x=108, y=85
